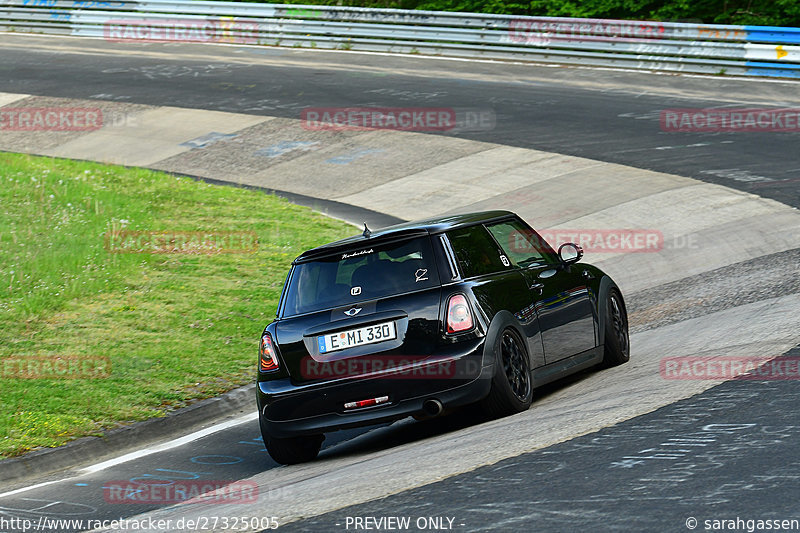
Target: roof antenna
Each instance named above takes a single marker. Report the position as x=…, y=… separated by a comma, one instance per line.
x=367, y=231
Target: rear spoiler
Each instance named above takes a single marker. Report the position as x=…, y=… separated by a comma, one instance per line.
x=354, y=245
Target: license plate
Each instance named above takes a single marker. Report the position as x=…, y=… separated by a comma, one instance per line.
x=356, y=337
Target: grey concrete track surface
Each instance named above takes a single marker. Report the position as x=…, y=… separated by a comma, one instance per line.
x=720, y=284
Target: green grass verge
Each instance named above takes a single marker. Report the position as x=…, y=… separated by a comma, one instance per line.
x=176, y=327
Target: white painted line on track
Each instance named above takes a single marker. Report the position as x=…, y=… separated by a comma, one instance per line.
x=169, y=445
x=175, y=443
x=26, y=489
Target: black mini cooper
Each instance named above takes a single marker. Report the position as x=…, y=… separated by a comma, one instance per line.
x=417, y=318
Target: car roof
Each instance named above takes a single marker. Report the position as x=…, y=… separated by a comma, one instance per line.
x=428, y=226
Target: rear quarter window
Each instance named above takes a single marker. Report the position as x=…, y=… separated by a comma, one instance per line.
x=476, y=252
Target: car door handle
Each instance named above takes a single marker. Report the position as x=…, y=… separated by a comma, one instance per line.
x=537, y=285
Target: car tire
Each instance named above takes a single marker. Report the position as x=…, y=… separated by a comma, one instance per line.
x=293, y=450
x=512, y=387
x=616, y=349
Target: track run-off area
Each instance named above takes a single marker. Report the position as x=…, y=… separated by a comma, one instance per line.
x=573, y=151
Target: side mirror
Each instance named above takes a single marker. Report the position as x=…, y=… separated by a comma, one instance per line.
x=569, y=253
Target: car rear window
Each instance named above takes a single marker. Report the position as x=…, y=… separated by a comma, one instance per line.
x=365, y=273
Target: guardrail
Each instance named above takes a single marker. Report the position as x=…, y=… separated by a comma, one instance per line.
x=669, y=46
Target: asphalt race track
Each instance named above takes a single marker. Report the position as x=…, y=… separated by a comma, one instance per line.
x=613, y=450
x=608, y=116
x=228, y=455
x=720, y=455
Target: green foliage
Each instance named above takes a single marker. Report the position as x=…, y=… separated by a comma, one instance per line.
x=758, y=12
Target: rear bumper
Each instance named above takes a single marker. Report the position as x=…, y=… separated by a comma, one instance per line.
x=287, y=409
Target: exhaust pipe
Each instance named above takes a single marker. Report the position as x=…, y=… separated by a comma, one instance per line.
x=432, y=407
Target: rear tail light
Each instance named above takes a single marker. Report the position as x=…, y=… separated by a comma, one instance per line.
x=459, y=317
x=269, y=359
